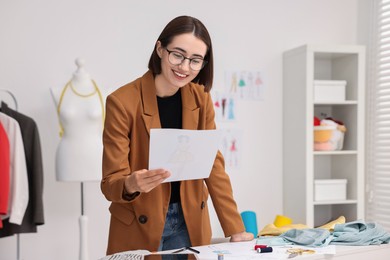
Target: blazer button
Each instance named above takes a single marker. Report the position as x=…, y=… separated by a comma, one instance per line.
x=143, y=219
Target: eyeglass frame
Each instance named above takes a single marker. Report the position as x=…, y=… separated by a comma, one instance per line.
x=186, y=58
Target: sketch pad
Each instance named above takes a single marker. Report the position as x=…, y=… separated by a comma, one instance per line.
x=187, y=154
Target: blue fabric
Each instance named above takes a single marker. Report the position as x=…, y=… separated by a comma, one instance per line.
x=272, y=241
x=356, y=233
x=308, y=237
x=360, y=233
x=175, y=234
x=312, y=237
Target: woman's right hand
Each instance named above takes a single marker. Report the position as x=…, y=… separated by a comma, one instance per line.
x=145, y=180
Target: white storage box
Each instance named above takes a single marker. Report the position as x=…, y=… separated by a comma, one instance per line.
x=330, y=189
x=329, y=90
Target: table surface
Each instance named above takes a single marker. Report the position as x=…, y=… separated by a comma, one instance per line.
x=244, y=250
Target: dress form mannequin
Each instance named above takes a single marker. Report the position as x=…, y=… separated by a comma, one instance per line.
x=81, y=112
x=80, y=107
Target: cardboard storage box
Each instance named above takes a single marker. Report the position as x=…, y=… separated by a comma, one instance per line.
x=329, y=90
x=330, y=189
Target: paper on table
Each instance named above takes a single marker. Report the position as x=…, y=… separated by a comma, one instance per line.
x=187, y=154
x=245, y=250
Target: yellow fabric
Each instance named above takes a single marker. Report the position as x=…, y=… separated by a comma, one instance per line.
x=272, y=230
x=330, y=225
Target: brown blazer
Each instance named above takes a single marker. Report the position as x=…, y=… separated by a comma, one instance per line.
x=131, y=111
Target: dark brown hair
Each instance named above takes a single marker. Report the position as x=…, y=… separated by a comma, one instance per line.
x=181, y=25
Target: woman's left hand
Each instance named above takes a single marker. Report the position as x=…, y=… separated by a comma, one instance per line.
x=243, y=236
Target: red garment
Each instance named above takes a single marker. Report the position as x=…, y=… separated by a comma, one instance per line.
x=4, y=172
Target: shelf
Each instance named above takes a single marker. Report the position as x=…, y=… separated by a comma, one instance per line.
x=342, y=152
x=333, y=202
x=302, y=101
x=347, y=102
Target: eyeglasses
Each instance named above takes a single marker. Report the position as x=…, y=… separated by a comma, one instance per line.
x=176, y=58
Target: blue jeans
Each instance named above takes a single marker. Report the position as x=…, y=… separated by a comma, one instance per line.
x=175, y=233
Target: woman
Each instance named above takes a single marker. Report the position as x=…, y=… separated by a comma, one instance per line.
x=173, y=93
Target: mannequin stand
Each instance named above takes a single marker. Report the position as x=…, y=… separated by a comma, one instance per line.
x=17, y=247
x=83, y=222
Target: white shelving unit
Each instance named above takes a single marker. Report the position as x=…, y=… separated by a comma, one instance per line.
x=301, y=164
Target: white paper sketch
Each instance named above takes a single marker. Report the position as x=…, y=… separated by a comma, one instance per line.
x=182, y=155
x=187, y=154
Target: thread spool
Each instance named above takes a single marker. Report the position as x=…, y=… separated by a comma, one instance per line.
x=260, y=246
x=250, y=222
x=281, y=221
x=264, y=250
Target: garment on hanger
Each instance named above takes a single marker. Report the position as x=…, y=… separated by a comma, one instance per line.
x=34, y=214
x=4, y=173
x=18, y=196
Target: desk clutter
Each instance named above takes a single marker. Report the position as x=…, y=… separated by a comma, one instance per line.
x=225, y=251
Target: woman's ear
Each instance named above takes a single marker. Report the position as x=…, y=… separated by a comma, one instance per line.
x=159, y=48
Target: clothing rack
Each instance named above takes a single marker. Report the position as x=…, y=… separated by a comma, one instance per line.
x=16, y=109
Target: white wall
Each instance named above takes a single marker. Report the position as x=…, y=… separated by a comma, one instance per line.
x=41, y=39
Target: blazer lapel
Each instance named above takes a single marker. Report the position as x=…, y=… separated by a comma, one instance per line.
x=150, y=114
x=190, y=109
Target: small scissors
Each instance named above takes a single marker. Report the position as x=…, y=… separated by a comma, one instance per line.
x=293, y=252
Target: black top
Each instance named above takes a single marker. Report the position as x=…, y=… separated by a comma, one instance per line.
x=170, y=111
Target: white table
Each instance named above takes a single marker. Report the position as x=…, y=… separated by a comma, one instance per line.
x=244, y=250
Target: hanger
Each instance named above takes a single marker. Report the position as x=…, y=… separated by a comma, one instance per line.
x=12, y=96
